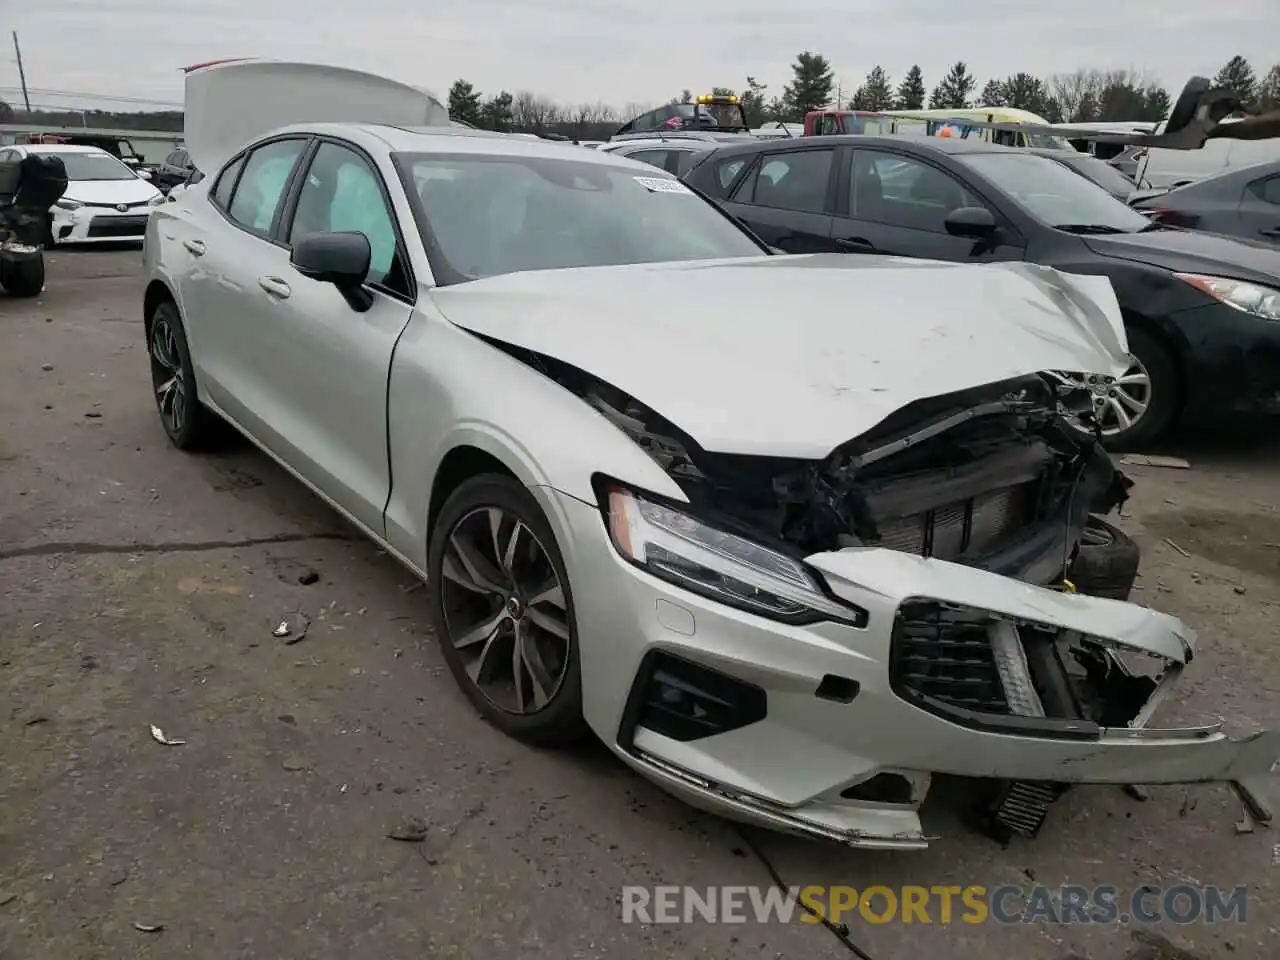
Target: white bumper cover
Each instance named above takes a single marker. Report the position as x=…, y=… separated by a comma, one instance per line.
x=788, y=770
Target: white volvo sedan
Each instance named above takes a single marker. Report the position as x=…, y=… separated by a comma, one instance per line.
x=787, y=557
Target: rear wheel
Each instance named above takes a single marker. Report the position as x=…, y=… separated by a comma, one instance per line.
x=23, y=278
x=187, y=422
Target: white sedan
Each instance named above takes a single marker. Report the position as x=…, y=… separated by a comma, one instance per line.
x=105, y=200
x=787, y=558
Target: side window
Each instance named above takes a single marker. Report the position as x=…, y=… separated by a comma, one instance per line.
x=685, y=160
x=262, y=184
x=341, y=193
x=1268, y=190
x=893, y=189
x=791, y=181
x=226, y=183
x=655, y=158
x=727, y=172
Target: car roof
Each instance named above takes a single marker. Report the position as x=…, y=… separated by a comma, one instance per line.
x=60, y=148
x=448, y=140
x=921, y=146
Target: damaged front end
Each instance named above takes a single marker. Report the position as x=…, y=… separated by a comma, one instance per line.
x=996, y=484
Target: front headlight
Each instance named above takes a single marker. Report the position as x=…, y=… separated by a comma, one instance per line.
x=1246, y=297
x=722, y=566
x=66, y=204
x=156, y=200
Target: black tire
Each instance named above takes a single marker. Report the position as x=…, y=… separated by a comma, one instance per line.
x=196, y=428
x=1106, y=564
x=1162, y=408
x=23, y=278
x=560, y=720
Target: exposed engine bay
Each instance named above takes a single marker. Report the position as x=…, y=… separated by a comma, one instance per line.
x=992, y=477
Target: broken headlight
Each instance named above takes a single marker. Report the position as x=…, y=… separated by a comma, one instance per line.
x=683, y=550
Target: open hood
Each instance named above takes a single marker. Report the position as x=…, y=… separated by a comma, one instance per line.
x=793, y=356
x=232, y=102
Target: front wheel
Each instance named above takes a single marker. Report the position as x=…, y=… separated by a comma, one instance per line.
x=502, y=610
x=1142, y=403
x=23, y=278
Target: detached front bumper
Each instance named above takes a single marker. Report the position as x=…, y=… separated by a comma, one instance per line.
x=101, y=224
x=813, y=730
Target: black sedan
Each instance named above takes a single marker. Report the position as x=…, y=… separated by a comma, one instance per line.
x=1091, y=168
x=1202, y=311
x=1244, y=203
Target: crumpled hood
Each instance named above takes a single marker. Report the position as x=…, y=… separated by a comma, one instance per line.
x=793, y=356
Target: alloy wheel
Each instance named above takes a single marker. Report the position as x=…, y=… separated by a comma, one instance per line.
x=166, y=375
x=505, y=611
x=1118, y=404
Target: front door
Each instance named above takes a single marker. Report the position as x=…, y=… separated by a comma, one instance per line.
x=330, y=363
x=898, y=205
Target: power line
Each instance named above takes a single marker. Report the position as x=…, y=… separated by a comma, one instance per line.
x=80, y=94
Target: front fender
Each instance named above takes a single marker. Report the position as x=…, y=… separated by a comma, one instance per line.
x=450, y=389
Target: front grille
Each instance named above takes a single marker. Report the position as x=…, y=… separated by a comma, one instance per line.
x=945, y=656
x=948, y=532
x=118, y=227
x=115, y=206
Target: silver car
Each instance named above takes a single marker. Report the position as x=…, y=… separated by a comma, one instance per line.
x=786, y=559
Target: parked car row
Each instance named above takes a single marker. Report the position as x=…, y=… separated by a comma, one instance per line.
x=818, y=531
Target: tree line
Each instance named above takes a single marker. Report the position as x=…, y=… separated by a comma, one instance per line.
x=1087, y=95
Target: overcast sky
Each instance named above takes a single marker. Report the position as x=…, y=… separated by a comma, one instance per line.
x=618, y=51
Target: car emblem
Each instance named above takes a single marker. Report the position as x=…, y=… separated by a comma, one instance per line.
x=122, y=207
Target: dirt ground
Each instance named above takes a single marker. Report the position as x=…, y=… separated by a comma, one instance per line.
x=140, y=586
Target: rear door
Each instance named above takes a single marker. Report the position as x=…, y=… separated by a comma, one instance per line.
x=786, y=199
x=897, y=204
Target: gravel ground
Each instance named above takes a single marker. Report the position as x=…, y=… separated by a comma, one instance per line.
x=140, y=586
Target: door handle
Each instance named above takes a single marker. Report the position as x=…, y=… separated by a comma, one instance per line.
x=275, y=286
x=854, y=243
x=195, y=246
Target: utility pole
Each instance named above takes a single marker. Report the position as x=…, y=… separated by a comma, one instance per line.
x=22, y=74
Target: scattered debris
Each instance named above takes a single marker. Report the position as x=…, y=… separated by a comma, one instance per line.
x=293, y=764
x=46, y=367
x=35, y=720
x=118, y=879
x=1182, y=551
x=1143, y=460
x=308, y=578
x=7, y=898
x=1188, y=804
x=282, y=630
x=93, y=415
x=295, y=636
x=1245, y=824
x=148, y=927
x=409, y=830
x=1239, y=589
x=1137, y=792
x=158, y=736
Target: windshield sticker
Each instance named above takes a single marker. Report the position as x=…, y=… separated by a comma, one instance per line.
x=662, y=185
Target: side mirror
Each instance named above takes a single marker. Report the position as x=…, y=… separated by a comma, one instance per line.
x=976, y=222
x=338, y=258
x=144, y=174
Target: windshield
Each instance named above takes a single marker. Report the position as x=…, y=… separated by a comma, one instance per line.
x=490, y=215
x=92, y=166
x=1055, y=195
